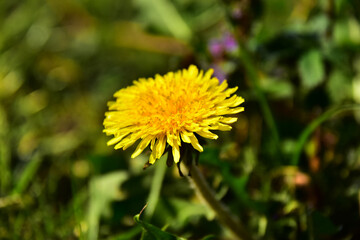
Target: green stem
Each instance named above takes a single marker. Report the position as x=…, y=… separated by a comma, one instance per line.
x=223, y=213
x=252, y=74
x=254, y=79
x=313, y=125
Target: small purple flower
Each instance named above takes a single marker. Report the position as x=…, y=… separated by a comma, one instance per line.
x=230, y=43
x=216, y=48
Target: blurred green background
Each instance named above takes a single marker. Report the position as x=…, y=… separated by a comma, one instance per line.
x=290, y=168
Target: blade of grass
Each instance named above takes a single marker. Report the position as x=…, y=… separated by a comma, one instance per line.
x=304, y=136
x=5, y=153
x=252, y=74
x=103, y=189
x=160, y=170
x=131, y=234
x=166, y=14
x=28, y=174
x=75, y=207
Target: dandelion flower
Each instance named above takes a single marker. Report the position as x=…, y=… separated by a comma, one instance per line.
x=172, y=109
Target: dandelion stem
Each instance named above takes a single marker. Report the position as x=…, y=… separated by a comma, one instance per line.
x=223, y=213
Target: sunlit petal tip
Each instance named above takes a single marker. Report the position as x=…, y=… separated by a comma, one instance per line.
x=235, y=110
x=208, y=74
x=228, y=120
x=238, y=101
x=152, y=144
x=118, y=146
x=185, y=138
x=169, y=140
x=195, y=143
x=160, y=147
x=129, y=143
x=117, y=93
x=152, y=158
x=176, y=153
x=207, y=134
x=135, y=154
x=222, y=127
x=234, y=89
x=199, y=148
x=193, y=71
x=230, y=91
x=111, y=142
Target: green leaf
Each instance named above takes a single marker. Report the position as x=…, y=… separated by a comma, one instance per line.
x=150, y=232
x=164, y=15
x=276, y=13
x=347, y=32
x=339, y=86
x=186, y=209
x=277, y=89
x=311, y=69
x=103, y=190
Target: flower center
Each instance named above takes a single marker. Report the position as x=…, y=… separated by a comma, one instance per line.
x=171, y=110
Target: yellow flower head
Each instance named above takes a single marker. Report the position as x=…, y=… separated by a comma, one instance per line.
x=171, y=109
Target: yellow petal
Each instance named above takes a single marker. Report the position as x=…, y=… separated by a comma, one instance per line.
x=234, y=110
x=152, y=158
x=185, y=137
x=222, y=86
x=160, y=147
x=237, y=102
x=233, y=101
x=193, y=71
x=195, y=143
x=207, y=134
x=152, y=144
x=142, y=145
x=128, y=144
x=176, y=153
x=230, y=91
x=169, y=139
x=228, y=120
x=208, y=74
x=123, y=142
x=221, y=127
x=116, y=139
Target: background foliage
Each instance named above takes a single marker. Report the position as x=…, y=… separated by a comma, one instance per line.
x=290, y=168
